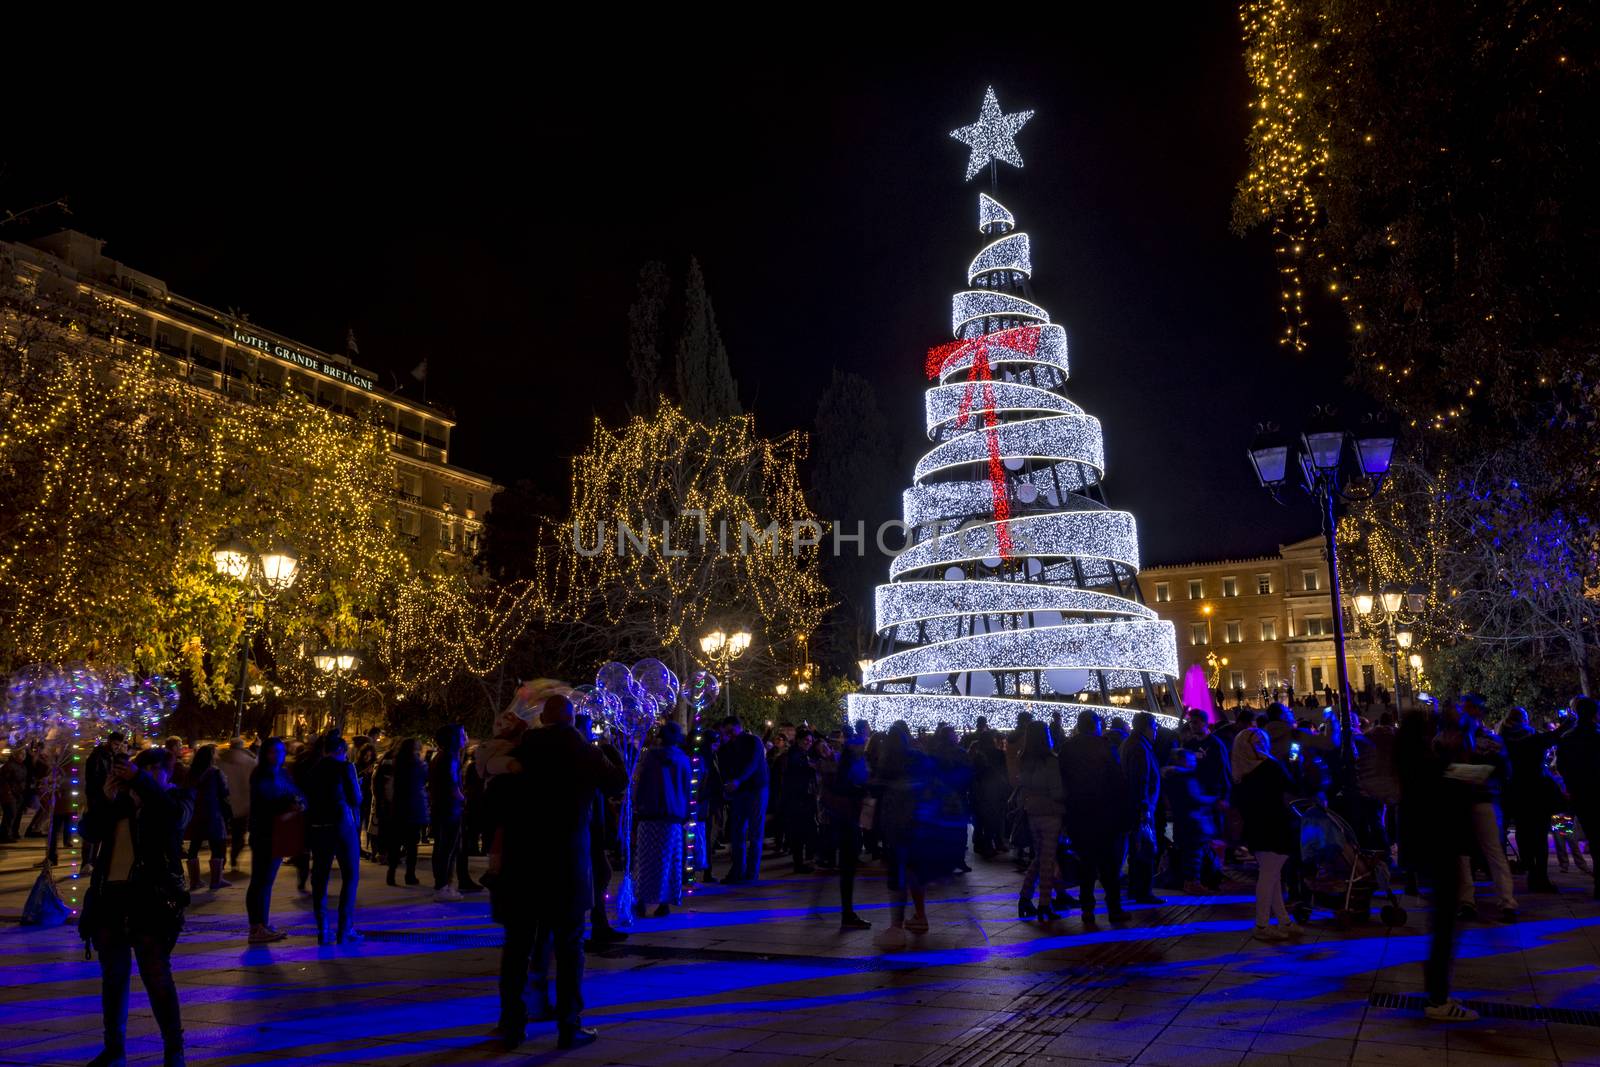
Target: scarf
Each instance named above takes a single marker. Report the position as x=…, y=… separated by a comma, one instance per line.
x=1250, y=750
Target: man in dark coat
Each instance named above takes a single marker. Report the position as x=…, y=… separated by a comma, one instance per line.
x=742, y=763
x=1578, y=760
x=1093, y=789
x=1141, y=776
x=1531, y=795
x=546, y=877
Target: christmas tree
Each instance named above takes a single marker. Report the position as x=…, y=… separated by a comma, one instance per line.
x=1016, y=591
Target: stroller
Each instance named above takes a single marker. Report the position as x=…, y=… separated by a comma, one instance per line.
x=1337, y=872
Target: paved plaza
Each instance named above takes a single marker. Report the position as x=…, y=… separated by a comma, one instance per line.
x=760, y=975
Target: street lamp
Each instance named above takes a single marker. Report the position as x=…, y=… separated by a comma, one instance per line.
x=782, y=689
x=1327, y=477
x=263, y=576
x=337, y=662
x=1394, y=600
x=723, y=648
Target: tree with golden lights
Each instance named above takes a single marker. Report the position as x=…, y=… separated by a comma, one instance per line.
x=677, y=527
x=1428, y=168
x=118, y=478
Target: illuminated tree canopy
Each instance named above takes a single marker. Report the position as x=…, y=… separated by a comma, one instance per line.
x=117, y=479
x=678, y=526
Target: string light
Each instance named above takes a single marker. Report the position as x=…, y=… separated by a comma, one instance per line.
x=687, y=491
x=122, y=477
x=973, y=305
x=993, y=136
x=993, y=216
x=1048, y=614
x=924, y=711
x=1010, y=253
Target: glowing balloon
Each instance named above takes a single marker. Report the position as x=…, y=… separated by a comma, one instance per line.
x=616, y=679
x=656, y=680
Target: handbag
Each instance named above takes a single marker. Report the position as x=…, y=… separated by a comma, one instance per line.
x=44, y=906
x=289, y=835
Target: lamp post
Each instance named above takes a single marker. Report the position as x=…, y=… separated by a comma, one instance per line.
x=723, y=648
x=1320, y=453
x=1399, y=607
x=337, y=662
x=263, y=575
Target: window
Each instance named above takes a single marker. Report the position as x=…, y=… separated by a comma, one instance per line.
x=1316, y=677
x=1230, y=587
x=1236, y=680
x=1309, y=581
x=472, y=502
x=1263, y=584
x=449, y=495
x=1317, y=626
x=1234, y=634
x=1197, y=590
x=1163, y=593
x=1197, y=633
x=1270, y=680
x=1269, y=629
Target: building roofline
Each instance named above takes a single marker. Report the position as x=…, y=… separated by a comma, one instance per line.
x=1146, y=568
x=188, y=311
x=1279, y=558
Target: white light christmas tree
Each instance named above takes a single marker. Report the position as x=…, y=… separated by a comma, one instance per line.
x=1017, y=589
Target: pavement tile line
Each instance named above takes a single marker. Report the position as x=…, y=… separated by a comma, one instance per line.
x=1492, y=1010
x=1039, y=1015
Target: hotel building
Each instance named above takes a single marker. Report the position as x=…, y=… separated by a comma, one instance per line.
x=438, y=506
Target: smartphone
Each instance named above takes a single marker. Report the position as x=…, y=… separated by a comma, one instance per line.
x=1294, y=750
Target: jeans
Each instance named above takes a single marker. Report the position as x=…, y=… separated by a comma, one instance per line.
x=402, y=841
x=1102, y=860
x=60, y=829
x=449, y=849
x=849, y=838
x=340, y=842
x=219, y=848
x=117, y=953
x=263, y=872
x=1269, y=888
x=1533, y=842
x=1046, y=833
x=1188, y=852
x=746, y=818
x=1486, y=829
x=1446, y=871
x=1142, y=859
x=1588, y=813
x=526, y=953
x=800, y=829
x=237, y=830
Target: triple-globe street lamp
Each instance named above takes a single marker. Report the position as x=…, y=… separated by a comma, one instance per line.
x=337, y=662
x=722, y=648
x=1321, y=454
x=1400, y=609
x=264, y=576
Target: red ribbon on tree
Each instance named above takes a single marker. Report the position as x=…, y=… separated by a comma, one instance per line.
x=1024, y=339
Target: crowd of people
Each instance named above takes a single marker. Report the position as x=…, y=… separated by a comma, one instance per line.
x=1135, y=807
x=1132, y=807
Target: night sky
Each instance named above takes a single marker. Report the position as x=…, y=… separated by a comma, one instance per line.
x=495, y=223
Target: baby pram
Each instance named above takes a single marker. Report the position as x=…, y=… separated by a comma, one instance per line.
x=1337, y=872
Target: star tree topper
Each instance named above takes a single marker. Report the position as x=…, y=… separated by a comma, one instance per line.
x=992, y=136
